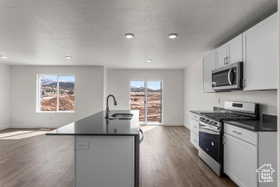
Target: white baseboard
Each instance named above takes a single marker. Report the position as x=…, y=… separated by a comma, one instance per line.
x=3, y=127
x=174, y=124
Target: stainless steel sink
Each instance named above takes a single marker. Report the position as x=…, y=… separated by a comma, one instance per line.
x=121, y=116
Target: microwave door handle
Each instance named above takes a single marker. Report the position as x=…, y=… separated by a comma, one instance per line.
x=229, y=79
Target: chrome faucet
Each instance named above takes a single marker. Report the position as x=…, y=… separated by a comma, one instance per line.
x=107, y=104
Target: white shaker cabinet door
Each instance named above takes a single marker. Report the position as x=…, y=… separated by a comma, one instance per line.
x=209, y=64
x=236, y=49
x=261, y=55
x=222, y=56
x=240, y=161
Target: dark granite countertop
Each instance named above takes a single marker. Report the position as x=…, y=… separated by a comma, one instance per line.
x=199, y=112
x=97, y=125
x=267, y=123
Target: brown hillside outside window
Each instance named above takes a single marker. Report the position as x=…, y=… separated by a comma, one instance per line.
x=56, y=93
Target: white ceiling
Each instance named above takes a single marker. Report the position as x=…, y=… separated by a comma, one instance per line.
x=42, y=32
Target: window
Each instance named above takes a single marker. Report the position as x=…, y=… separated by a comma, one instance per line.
x=56, y=93
x=146, y=96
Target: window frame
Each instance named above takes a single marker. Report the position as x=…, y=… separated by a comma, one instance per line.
x=146, y=100
x=38, y=93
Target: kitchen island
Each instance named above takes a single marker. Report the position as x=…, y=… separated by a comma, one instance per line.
x=106, y=150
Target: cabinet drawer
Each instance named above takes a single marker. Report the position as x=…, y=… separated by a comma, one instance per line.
x=241, y=133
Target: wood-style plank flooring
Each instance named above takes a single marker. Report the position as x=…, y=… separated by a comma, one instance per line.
x=170, y=160
x=167, y=160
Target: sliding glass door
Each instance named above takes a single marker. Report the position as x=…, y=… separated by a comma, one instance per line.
x=137, y=98
x=153, y=92
x=146, y=96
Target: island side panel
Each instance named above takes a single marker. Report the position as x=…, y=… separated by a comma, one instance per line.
x=137, y=166
x=104, y=161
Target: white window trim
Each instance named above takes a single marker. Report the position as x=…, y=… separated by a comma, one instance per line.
x=38, y=88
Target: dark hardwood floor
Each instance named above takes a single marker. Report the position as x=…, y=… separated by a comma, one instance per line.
x=168, y=159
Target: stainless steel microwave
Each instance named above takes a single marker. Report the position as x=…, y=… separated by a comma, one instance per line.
x=228, y=78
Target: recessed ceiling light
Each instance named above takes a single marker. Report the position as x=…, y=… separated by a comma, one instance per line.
x=68, y=57
x=148, y=61
x=172, y=35
x=129, y=35
x=4, y=57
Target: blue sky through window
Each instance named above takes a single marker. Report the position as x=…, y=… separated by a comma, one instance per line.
x=49, y=77
x=136, y=84
x=155, y=85
x=67, y=78
x=53, y=78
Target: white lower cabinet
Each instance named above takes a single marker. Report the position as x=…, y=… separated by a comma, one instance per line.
x=245, y=151
x=104, y=161
x=194, y=122
x=240, y=161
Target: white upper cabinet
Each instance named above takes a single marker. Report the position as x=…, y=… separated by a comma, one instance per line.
x=261, y=54
x=230, y=52
x=222, y=56
x=209, y=61
x=257, y=48
x=236, y=49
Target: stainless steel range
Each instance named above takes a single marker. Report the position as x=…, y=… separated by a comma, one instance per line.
x=211, y=131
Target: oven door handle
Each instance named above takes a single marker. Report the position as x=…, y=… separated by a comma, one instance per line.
x=229, y=79
x=142, y=135
x=202, y=124
x=209, y=131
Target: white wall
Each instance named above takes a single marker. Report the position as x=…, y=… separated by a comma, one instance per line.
x=173, y=91
x=89, y=91
x=196, y=99
x=4, y=96
x=278, y=96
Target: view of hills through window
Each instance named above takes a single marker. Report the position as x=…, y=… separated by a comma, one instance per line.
x=57, y=92
x=146, y=97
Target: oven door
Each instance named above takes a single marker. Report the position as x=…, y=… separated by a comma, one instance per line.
x=210, y=140
x=228, y=77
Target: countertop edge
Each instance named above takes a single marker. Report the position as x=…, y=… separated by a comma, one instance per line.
x=252, y=130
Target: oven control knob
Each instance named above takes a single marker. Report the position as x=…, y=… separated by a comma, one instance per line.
x=212, y=144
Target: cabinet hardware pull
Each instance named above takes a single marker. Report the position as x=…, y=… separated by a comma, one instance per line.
x=142, y=135
x=229, y=77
